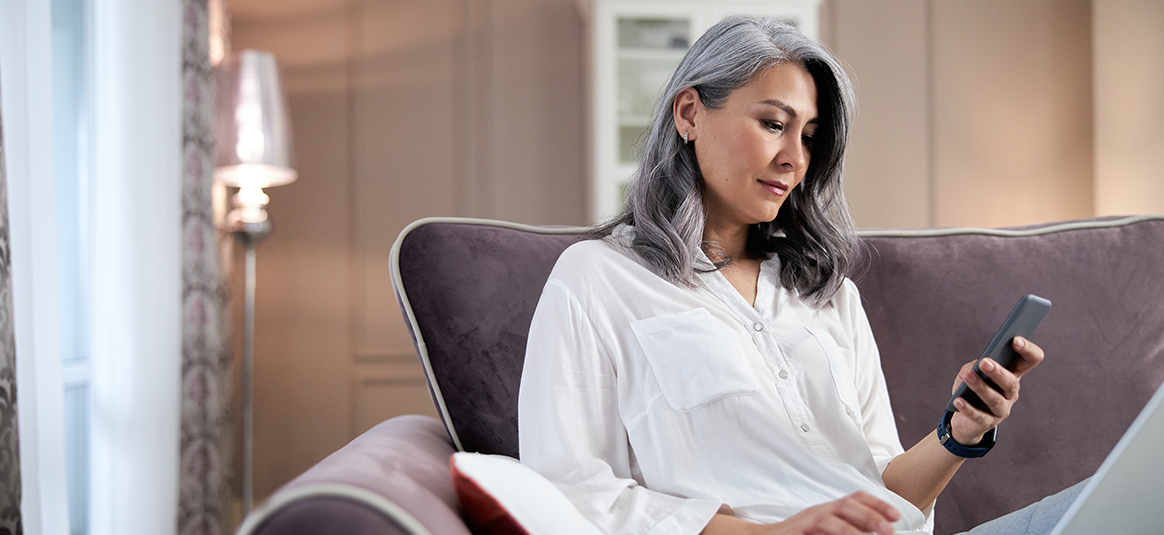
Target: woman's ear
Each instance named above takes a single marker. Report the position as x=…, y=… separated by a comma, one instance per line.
x=685, y=108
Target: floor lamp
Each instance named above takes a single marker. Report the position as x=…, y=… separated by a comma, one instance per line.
x=254, y=152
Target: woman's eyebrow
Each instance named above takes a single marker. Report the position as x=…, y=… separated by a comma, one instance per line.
x=788, y=109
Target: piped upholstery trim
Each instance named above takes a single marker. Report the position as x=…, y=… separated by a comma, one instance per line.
x=1010, y=233
x=363, y=496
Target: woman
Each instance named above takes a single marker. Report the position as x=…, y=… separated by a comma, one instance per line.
x=703, y=365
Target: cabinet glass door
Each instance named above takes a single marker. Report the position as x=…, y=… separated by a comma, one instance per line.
x=649, y=50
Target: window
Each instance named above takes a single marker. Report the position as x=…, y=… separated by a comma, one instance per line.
x=72, y=166
x=95, y=223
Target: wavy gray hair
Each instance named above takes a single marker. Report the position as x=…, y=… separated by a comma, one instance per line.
x=813, y=233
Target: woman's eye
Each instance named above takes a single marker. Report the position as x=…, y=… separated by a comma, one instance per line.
x=773, y=126
x=807, y=140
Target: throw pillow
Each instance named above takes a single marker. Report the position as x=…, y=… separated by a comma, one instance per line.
x=500, y=496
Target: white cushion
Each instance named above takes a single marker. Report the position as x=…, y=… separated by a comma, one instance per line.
x=500, y=496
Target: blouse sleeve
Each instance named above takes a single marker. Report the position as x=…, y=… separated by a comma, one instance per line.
x=879, y=426
x=571, y=432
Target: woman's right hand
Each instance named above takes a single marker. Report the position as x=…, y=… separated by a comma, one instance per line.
x=855, y=514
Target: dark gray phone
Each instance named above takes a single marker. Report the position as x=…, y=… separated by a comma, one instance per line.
x=1023, y=320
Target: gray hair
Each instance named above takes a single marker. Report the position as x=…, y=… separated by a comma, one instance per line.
x=813, y=233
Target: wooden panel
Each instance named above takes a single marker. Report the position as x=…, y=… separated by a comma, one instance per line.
x=390, y=389
x=302, y=309
x=400, y=110
x=1012, y=112
x=404, y=152
x=1129, y=110
x=310, y=39
x=469, y=108
x=538, y=113
x=887, y=167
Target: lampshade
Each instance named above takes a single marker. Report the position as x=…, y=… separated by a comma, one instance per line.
x=254, y=131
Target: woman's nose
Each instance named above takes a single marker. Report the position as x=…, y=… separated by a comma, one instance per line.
x=793, y=155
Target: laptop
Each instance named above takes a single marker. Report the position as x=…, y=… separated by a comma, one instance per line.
x=1126, y=494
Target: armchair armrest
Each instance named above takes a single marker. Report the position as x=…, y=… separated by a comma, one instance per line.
x=393, y=479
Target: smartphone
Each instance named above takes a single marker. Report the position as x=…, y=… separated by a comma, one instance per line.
x=1022, y=321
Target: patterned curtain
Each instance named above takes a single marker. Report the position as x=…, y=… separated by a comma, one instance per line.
x=9, y=438
x=205, y=438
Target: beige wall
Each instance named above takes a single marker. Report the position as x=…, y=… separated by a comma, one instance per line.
x=1129, y=106
x=887, y=169
x=400, y=110
x=1012, y=121
x=971, y=113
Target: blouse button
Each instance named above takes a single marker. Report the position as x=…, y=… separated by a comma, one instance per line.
x=804, y=427
x=783, y=374
x=758, y=326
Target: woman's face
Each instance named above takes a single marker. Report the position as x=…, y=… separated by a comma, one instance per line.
x=756, y=148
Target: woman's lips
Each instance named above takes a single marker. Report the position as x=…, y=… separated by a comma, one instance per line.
x=775, y=187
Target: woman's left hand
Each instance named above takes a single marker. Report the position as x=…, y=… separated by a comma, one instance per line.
x=970, y=424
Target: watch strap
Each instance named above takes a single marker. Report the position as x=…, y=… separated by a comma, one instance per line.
x=969, y=452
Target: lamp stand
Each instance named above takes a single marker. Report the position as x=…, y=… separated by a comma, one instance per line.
x=250, y=233
x=253, y=136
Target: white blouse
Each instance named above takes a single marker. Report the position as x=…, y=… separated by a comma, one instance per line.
x=650, y=404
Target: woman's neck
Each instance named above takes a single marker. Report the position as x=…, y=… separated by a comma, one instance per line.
x=731, y=241
x=743, y=272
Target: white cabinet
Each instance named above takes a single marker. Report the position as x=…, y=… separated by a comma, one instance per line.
x=634, y=47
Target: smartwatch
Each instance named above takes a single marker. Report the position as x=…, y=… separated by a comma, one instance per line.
x=967, y=452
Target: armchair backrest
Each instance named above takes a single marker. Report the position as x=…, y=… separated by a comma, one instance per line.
x=936, y=297
x=468, y=289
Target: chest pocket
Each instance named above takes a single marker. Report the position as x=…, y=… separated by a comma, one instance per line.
x=695, y=358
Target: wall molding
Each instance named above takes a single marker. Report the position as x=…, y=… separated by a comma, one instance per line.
x=384, y=354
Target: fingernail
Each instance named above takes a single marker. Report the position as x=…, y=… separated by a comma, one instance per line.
x=987, y=365
x=885, y=528
x=959, y=404
x=971, y=378
x=1019, y=343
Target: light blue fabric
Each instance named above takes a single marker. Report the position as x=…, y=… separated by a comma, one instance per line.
x=1035, y=519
